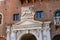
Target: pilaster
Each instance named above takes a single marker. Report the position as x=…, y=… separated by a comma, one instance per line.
x=8, y=33
x=40, y=35
x=47, y=31
x=13, y=35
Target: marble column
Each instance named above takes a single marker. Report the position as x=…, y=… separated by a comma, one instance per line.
x=44, y=34
x=8, y=36
x=48, y=34
x=13, y=35
x=41, y=35
x=8, y=33
x=47, y=30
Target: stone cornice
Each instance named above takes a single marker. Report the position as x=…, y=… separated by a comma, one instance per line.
x=24, y=27
x=48, y=22
x=28, y=28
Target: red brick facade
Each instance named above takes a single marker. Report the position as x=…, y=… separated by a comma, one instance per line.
x=10, y=7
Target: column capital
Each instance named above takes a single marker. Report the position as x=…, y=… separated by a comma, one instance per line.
x=8, y=29
x=14, y=31
x=47, y=23
x=46, y=28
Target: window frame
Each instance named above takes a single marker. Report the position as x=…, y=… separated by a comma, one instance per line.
x=39, y=16
x=15, y=17
x=57, y=14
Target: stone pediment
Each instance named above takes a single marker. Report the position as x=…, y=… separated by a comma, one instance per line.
x=26, y=24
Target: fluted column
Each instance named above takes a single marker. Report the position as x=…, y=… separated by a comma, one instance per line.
x=47, y=31
x=13, y=35
x=44, y=33
x=7, y=36
x=8, y=33
x=48, y=34
x=40, y=35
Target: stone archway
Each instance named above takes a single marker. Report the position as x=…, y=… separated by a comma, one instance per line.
x=56, y=37
x=28, y=37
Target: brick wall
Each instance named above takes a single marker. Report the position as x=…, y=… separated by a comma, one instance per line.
x=10, y=7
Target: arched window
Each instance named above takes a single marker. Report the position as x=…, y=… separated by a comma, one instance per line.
x=0, y=18
x=39, y=14
x=57, y=14
x=57, y=18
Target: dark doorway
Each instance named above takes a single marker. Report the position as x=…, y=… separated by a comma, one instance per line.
x=28, y=37
x=57, y=37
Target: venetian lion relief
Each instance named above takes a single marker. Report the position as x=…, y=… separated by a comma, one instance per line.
x=27, y=12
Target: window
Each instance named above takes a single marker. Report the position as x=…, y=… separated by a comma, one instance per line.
x=57, y=18
x=39, y=14
x=57, y=14
x=0, y=18
x=16, y=17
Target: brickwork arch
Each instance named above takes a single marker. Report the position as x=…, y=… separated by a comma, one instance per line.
x=54, y=12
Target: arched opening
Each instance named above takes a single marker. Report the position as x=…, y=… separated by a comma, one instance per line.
x=28, y=37
x=57, y=37
x=0, y=19
x=57, y=14
x=57, y=18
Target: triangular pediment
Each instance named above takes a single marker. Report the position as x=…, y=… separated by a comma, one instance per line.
x=28, y=22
